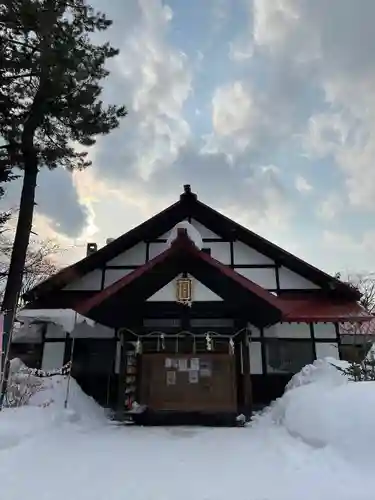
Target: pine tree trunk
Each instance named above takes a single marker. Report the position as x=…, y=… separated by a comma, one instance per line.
x=21, y=242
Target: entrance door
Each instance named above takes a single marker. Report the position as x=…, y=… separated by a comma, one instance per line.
x=189, y=382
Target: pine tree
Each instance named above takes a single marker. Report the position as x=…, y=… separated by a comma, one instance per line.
x=50, y=88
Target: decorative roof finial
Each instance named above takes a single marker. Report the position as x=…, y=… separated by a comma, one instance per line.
x=188, y=193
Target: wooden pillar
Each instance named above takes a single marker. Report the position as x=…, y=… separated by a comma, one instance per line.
x=246, y=378
x=122, y=377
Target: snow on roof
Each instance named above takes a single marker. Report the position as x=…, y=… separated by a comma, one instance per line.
x=193, y=234
x=66, y=318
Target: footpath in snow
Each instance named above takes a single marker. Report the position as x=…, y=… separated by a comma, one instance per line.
x=315, y=443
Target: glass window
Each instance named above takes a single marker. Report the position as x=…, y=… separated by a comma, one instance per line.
x=161, y=322
x=288, y=356
x=211, y=322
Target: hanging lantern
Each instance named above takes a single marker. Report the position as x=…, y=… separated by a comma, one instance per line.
x=208, y=342
x=184, y=291
x=231, y=346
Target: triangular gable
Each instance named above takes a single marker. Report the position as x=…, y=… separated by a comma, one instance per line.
x=189, y=207
x=200, y=292
x=184, y=254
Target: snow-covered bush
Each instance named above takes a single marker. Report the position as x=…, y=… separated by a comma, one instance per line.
x=361, y=371
x=22, y=384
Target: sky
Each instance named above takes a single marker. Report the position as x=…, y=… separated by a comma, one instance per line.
x=266, y=107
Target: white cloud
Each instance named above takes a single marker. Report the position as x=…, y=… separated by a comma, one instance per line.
x=332, y=43
x=158, y=79
x=331, y=207
x=302, y=184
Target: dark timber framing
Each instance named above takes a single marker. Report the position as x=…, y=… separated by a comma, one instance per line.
x=190, y=207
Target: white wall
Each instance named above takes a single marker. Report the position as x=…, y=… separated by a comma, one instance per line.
x=220, y=251
x=91, y=281
x=326, y=349
x=264, y=277
x=325, y=331
x=55, y=332
x=255, y=358
x=156, y=249
x=290, y=280
x=53, y=355
x=288, y=330
x=246, y=255
x=135, y=256
x=199, y=291
x=203, y=230
x=83, y=330
x=113, y=275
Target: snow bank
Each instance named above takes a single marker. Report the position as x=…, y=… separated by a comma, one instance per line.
x=80, y=405
x=322, y=370
x=192, y=232
x=45, y=410
x=323, y=409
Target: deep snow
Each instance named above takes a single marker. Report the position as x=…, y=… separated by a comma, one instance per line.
x=295, y=450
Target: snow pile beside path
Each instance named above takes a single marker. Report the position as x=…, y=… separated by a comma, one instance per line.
x=325, y=410
x=80, y=405
x=17, y=424
x=45, y=410
x=52, y=392
x=321, y=371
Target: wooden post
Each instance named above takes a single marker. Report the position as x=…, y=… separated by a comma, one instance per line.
x=121, y=378
x=246, y=378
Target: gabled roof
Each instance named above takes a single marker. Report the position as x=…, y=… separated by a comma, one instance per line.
x=260, y=306
x=190, y=206
x=182, y=256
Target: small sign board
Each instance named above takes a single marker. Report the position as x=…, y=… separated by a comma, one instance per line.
x=193, y=377
x=171, y=378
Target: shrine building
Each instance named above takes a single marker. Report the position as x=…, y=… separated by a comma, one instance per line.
x=189, y=315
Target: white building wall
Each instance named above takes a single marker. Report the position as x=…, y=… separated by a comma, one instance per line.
x=264, y=277
x=113, y=275
x=83, y=330
x=326, y=349
x=55, y=332
x=203, y=230
x=220, y=251
x=255, y=358
x=244, y=255
x=53, y=355
x=290, y=280
x=325, y=331
x=135, y=256
x=156, y=248
x=91, y=281
x=288, y=330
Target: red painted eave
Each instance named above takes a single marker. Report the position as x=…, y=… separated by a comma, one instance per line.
x=324, y=310
x=294, y=309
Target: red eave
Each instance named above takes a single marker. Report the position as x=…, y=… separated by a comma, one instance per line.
x=316, y=309
x=293, y=309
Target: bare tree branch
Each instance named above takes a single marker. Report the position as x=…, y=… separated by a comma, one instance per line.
x=40, y=264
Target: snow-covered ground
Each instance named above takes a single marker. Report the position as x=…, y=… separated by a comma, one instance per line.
x=315, y=443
